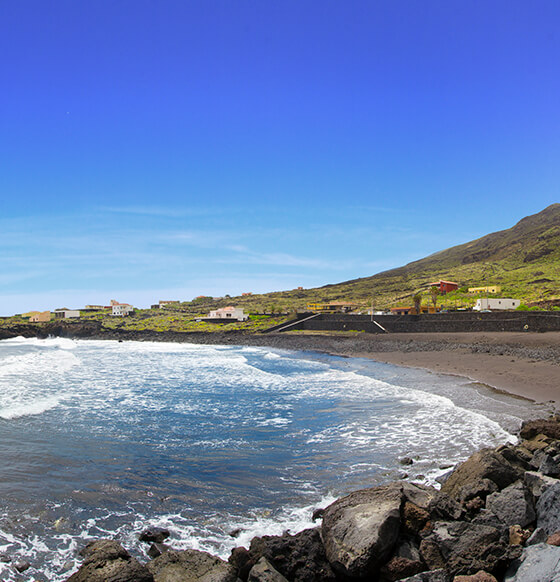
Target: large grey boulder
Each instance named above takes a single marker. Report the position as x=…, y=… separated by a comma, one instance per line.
x=538, y=563
x=263, y=571
x=513, y=505
x=108, y=560
x=467, y=548
x=548, y=509
x=360, y=530
x=191, y=566
x=485, y=464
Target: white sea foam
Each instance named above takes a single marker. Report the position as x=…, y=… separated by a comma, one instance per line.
x=20, y=409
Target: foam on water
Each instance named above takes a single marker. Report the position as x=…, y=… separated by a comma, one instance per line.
x=103, y=439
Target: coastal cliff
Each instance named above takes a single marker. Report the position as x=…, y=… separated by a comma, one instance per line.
x=495, y=518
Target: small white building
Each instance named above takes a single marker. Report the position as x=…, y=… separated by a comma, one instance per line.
x=492, y=304
x=120, y=309
x=230, y=312
x=66, y=313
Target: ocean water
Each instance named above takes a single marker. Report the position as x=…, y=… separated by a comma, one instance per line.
x=103, y=439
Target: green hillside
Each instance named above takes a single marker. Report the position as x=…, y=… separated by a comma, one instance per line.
x=523, y=260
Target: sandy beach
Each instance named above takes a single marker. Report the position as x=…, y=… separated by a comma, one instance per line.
x=525, y=376
x=524, y=364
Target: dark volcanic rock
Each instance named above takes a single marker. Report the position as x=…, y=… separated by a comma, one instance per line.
x=157, y=549
x=549, y=427
x=300, y=557
x=439, y=575
x=548, y=509
x=191, y=566
x=360, y=530
x=107, y=560
x=538, y=563
x=468, y=548
x=154, y=534
x=398, y=568
x=513, y=505
x=445, y=508
x=263, y=571
x=485, y=464
x=242, y=561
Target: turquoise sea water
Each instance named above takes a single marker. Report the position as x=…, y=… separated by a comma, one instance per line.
x=102, y=439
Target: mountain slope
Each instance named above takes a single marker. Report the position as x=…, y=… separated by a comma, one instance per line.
x=524, y=260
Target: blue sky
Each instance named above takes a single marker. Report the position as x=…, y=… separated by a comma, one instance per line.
x=163, y=150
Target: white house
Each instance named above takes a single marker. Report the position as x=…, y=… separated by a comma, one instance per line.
x=493, y=304
x=120, y=309
x=229, y=312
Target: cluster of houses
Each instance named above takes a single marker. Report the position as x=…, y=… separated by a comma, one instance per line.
x=116, y=309
x=231, y=313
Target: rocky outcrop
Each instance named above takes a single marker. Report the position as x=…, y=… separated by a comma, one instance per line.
x=361, y=530
x=299, y=558
x=496, y=518
x=190, y=566
x=108, y=560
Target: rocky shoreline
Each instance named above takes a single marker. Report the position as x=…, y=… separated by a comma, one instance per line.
x=495, y=518
x=340, y=344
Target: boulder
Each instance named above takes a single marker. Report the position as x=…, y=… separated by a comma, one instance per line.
x=443, y=507
x=409, y=550
x=538, y=563
x=108, y=560
x=537, y=483
x=549, y=427
x=518, y=456
x=539, y=536
x=548, y=509
x=414, y=518
x=554, y=539
x=513, y=505
x=480, y=488
x=157, y=549
x=299, y=558
x=468, y=547
x=550, y=465
x=242, y=561
x=154, y=535
x=485, y=464
x=439, y=575
x=397, y=568
x=191, y=566
x=537, y=443
x=263, y=571
x=480, y=576
x=431, y=554
x=22, y=566
x=360, y=530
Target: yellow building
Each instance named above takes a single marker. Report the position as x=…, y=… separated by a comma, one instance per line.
x=40, y=317
x=489, y=289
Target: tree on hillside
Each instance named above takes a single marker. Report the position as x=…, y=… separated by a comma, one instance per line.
x=434, y=293
x=417, y=298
